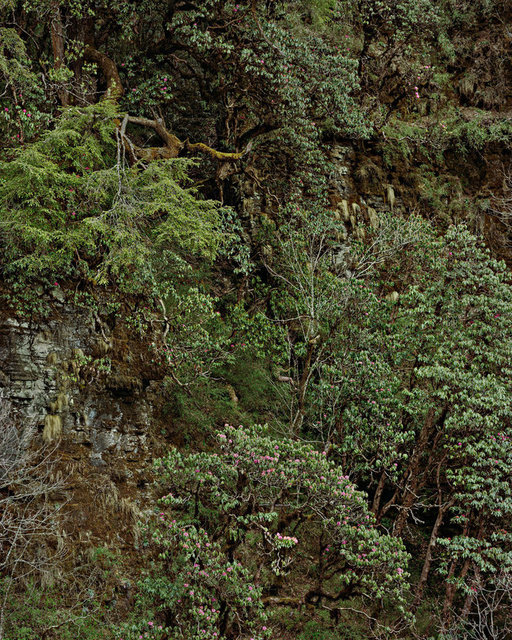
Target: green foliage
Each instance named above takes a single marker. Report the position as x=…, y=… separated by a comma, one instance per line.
x=313, y=632
x=70, y=209
x=272, y=67
x=251, y=377
x=22, y=98
x=37, y=612
x=324, y=291
x=478, y=132
x=393, y=357
x=198, y=341
x=412, y=385
x=423, y=147
x=200, y=590
x=434, y=139
x=425, y=388
x=275, y=503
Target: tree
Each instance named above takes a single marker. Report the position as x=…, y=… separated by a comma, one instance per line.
x=423, y=392
x=273, y=505
x=490, y=612
x=195, y=590
x=282, y=83
x=402, y=370
x=326, y=290
x=71, y=206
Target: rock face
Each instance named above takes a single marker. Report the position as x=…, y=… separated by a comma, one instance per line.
x=72, y=376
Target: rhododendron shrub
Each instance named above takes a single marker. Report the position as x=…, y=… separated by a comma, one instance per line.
x=436, y=389
x=197, y=590
x=287, y=514
x=414, y=392
x=402, y=365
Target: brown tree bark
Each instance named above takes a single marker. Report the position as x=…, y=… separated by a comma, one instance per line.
x=430, y=549
x=451, y=589
x=114, y=85
x=378, y=493
x=172, y=144
x=57, y=37
x=414, y=473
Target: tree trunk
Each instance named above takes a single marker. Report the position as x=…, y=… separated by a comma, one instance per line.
x=428, y=557
x=412, y=475
x=412, y=484
x=378, y=493
x=451, y=589
x=303, y=386
x=57, y=36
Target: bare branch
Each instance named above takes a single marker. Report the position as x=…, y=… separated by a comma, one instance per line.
x=30, y=540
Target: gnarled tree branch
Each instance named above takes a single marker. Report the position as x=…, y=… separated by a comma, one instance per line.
x=114, y=85
x=218, y=155
x=172, y=144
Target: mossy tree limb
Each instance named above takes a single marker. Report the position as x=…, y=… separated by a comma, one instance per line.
x=108, y=66
x=173, y=145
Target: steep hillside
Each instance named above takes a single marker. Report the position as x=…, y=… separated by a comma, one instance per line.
x=255, y=319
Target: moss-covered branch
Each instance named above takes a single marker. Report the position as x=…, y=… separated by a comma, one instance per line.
x=218, y=155
x=114, y=85
x=173, y=145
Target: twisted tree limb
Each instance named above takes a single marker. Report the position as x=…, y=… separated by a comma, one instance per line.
x=114, y=85
x=218, y=155
x=172, y=144
x=171, y=141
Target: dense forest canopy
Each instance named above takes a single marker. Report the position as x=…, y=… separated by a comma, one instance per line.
x=300, y=212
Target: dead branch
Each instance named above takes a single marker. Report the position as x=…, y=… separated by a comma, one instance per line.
x=29, y=526
x=501, y=205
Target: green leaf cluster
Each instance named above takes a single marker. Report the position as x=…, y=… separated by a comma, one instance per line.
x=72, y=207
